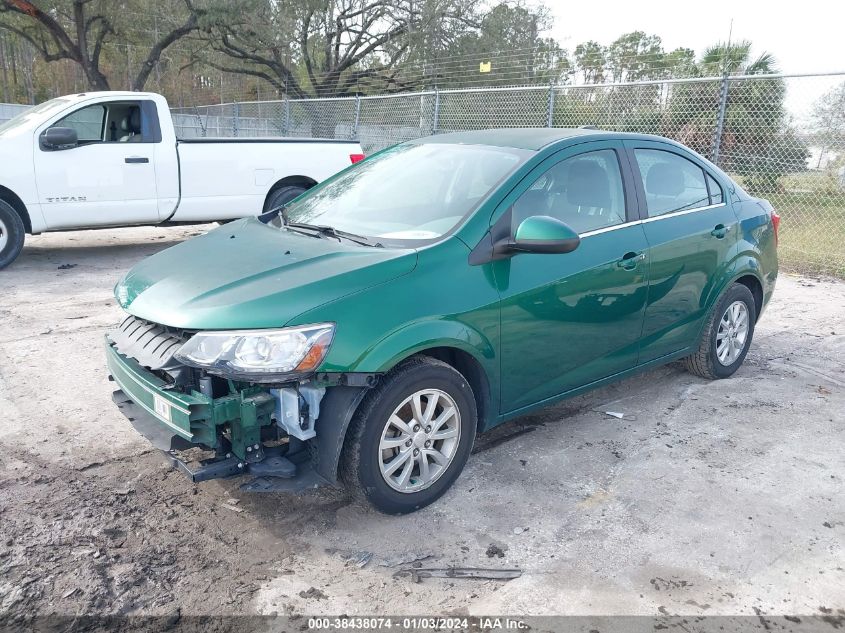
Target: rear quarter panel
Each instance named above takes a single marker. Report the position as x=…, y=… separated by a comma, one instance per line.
x=757, y=248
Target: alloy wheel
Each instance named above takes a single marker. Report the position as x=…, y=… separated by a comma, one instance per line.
x=733, y=333
x=419, y=440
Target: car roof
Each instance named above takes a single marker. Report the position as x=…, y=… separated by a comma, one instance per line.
x=531, y=138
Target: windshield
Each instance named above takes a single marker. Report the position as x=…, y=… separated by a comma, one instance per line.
x=409, y=192
x=42, y=110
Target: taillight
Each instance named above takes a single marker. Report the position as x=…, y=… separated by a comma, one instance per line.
x=776, y=224
x=356, y=158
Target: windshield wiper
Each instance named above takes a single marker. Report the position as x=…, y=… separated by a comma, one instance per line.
x=330, y=231
x=321, y=229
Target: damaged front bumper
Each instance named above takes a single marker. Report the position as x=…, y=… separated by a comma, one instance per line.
x=232, y=426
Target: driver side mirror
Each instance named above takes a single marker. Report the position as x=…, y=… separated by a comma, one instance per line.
x=58, y=138
x=539, y=234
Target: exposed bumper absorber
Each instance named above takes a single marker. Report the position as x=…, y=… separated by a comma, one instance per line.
x=280, y=470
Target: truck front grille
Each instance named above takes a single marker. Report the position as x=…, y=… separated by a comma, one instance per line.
x=151, y=344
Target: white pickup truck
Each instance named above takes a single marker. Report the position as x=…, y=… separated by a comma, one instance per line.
x=112, y=159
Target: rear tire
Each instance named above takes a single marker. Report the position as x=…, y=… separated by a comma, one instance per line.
x=428, y=454
x=12, y=233
x=282, y=196
x=727, y=335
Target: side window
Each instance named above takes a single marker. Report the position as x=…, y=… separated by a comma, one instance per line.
x=671, y=182
x=585, y=191
x=89, y=123
x=716, y=195
x=113, y=122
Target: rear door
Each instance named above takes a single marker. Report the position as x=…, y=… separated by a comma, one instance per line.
x=109, y=178
x=570, y=319
x=691, y=230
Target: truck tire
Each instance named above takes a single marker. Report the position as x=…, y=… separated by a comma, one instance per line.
x=727, y=335
x=410, y=438
x=12, y=232
x=282, y=196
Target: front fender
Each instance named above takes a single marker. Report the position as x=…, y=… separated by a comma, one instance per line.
x=421, y=335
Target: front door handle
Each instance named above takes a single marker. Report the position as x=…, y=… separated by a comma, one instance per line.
x=132, y=160
x=630, y=260
x=719, y=231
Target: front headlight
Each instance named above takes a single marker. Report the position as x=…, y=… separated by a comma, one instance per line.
x=259, y=355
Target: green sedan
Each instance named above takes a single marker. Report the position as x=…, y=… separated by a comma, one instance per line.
x=367, y=331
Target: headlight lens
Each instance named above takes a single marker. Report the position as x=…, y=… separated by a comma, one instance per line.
x=259, y=355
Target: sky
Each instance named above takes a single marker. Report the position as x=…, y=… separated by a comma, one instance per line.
x=805, y=36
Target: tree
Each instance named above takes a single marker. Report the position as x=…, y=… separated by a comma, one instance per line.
x=508, y=39
x=590, y=59
x=325, y=47
x=635, y=56
x=735, y=59
x=828, y=117
x=81, y=30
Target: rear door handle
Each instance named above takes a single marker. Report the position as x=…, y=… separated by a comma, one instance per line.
x=630, y=260
x=136, y=159
x=719, y=231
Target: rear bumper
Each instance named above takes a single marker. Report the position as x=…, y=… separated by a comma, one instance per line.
x=173, y=421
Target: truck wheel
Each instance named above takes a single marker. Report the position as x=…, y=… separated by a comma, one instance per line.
x=282, y=195
x=727, y=335
x=12, y=232
x=411, y=436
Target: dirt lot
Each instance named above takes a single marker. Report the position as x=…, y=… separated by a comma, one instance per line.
x=707, y=498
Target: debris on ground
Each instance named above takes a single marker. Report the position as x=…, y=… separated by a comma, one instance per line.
x=314, y=593
x=407, y=558
x=494, y=550
x=478, y=573
x=359, y=558
x=67, y=266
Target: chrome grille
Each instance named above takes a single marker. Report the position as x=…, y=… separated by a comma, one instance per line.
x=151, y=344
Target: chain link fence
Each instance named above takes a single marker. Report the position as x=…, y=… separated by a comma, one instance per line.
x=768, y=132
x=782, y=137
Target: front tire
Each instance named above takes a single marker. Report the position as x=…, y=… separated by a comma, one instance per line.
x=411, y=437
x=12, y=232
x=727, y=335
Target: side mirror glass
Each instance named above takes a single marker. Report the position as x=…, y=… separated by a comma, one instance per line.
x=540, y=234
x=58, y=138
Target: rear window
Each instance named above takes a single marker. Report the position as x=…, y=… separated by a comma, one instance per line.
x=671, y=182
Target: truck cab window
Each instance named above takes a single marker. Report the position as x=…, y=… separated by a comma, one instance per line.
x=89, y=123
x=106, y=123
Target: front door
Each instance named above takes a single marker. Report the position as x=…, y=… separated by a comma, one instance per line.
x=692, y=231
x=570, y=319
x=109, y=178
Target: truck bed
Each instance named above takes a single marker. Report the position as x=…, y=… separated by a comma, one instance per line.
x=262, y=139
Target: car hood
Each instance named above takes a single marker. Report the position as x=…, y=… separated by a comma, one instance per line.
x=250, y=275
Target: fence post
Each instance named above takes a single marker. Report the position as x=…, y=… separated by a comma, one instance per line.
x=287, y=115
x=236, y=112
x=720, y=121
x=357, y=115
x=550, y=107
x=435, y=122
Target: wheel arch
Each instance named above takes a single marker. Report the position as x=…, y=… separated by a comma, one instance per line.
x=753, y=283
x=290, y=181
x=340, y=403
x=11, y=198
x=473, y=371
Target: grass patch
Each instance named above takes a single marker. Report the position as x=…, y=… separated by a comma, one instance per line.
x=812, y=227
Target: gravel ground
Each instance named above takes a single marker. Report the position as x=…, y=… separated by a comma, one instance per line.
x=706, y=498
